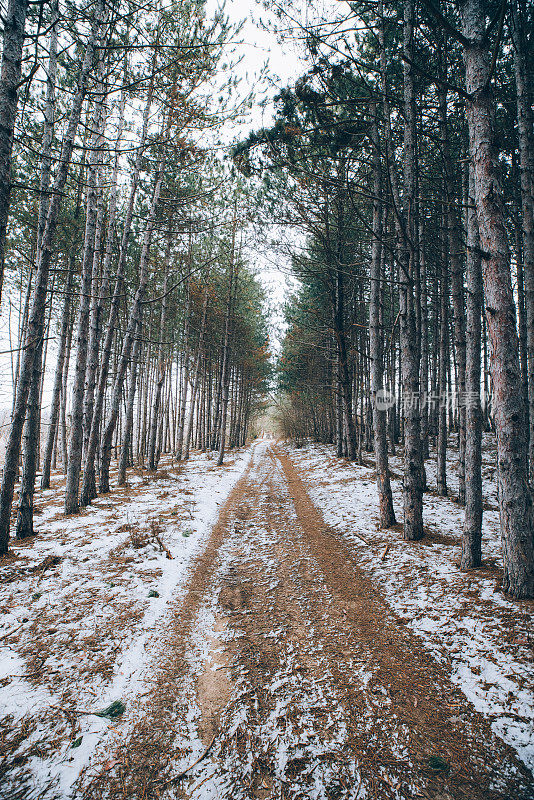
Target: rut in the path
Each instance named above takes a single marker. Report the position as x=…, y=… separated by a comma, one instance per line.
x=320, y=691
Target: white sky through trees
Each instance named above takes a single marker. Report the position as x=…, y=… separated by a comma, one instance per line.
x=270, y=58
x=266, y=61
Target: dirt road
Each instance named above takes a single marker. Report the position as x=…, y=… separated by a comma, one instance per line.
x=284, y=673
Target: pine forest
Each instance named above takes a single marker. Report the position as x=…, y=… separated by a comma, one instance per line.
x=266, y=400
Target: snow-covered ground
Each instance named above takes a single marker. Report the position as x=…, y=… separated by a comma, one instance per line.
x=484, y=638
x=76, y=635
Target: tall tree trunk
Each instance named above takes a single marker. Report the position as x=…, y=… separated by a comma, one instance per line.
x=515, y=501
x=195, y=380
x=455, y=247
x=521, y=305
x=24, y=524
x=48, y=127
x=472, y=532
x=424, y=351
x=526, y=168
x=441, y=446
x=387, y=513
x=225, y=379
x=216, y=409
x=407, y=230
x=343, y=368
x=10, y=74
x=152, y=458
x=128, y=420
x=413, y=455
x=63, y=403
x=23, y=321
x=339, y=407
x=184, y=380
x=58, y=379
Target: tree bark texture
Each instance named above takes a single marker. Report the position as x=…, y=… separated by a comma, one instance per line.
x=515, y=501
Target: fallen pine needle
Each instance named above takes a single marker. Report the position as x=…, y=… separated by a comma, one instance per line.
x=164, y=548
x=202, y=782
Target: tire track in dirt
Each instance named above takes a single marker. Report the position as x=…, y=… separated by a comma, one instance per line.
x=139, y=764
x=287, y=654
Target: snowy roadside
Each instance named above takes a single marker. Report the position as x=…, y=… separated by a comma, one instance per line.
x=82, y=604
x=483, y=638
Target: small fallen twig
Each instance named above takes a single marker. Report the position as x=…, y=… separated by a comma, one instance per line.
x=112, y=712
x=70, y=710
x=384, y=554
x=163, y=547
x=202, y=782
x=190, y=767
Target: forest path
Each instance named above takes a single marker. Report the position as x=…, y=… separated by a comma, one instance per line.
x=285, y=673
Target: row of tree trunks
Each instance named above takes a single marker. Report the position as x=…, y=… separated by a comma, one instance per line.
x=100, y=291
x=194, y=389
x=90, y=266
x=88, y=487
x=34, y=332
x=225, y=369
x=51, y=439
x=133, y=324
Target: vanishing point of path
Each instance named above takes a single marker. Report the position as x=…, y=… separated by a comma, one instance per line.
x=283, y=658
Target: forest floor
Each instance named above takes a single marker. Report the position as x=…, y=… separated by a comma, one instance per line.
x=267, y=640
